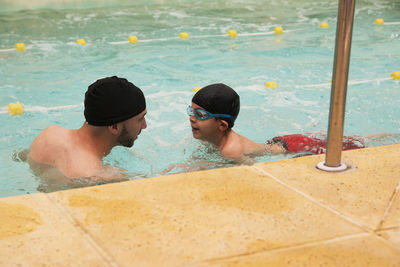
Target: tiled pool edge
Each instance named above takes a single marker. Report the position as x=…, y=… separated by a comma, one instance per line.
x=207, y=217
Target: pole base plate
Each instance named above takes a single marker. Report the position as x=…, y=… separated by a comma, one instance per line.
x=321, y=165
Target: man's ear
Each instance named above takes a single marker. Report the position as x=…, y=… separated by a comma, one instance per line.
x=114, y=129
x=223, y=125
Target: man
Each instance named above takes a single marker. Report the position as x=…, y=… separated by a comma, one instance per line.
x=115, y=112
x=212, y=114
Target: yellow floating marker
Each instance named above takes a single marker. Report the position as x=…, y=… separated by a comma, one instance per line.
x=184, y=35
x=271, y=84
x=324, y=25
x=15, y=108
x=81, y=41
x=278, y=30
x=379, y=22
x=232, y=33
x=20, y=46
x=395, y=75
x=133, y=39
x=196, y=89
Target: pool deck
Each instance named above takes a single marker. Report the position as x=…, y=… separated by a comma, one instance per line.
x=283, y=213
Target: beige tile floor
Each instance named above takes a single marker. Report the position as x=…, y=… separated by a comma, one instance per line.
x=284, y=213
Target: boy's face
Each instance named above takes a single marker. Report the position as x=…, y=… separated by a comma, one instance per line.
x=203, y=130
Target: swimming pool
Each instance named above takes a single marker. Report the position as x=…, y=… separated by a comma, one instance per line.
x=51, y=76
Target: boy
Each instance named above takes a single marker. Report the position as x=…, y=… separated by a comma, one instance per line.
x=213, y=113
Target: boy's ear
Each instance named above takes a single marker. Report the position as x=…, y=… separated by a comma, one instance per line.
x=223, y=125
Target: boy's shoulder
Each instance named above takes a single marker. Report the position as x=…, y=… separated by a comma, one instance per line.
x=234, y=146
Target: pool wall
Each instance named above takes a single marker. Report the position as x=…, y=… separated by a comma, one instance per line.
x=269, y=214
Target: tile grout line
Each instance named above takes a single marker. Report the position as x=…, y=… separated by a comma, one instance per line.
x=298, y=246
x=388, y=228
x=77, y=226
x=388, y=242
x=392, y=199
x=347, y=218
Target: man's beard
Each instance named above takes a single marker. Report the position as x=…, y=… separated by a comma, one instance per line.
x=125, y=139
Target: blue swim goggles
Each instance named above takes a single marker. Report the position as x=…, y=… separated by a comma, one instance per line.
x=202, y=114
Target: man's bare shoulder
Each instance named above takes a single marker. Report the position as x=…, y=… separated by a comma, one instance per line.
x=47, y=142
x=53, y=130
x=52, y=135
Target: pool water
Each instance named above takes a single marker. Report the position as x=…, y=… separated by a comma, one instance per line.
x=52, y=75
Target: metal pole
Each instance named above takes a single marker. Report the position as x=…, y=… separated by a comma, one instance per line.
x=339, y=84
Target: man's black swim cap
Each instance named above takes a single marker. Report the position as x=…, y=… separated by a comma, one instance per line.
x=219, y=99
x=111, y=100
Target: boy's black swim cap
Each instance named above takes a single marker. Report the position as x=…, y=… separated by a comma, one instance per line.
x=111, y=100
x=219, y=99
